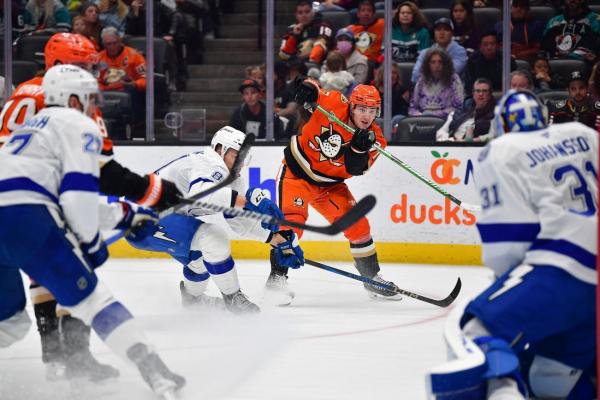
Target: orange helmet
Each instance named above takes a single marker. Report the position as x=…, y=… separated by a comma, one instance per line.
x=365, y=95
x=69, y=48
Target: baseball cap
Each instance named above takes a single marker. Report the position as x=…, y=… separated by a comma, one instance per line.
x=577, y=76
x=443, y=21
x=249, y=83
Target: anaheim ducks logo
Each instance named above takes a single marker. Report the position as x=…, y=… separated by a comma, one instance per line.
x=329, y=145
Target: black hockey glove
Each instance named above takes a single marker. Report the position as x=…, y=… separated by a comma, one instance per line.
x=306, y=92
x=169, y=197
x=362, y=140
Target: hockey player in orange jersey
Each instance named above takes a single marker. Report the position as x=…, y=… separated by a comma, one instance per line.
x=316, y=164
x=66, y=350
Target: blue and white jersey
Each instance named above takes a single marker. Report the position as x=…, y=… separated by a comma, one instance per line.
x=53, y=159
x=196, y=172
x=539, y=200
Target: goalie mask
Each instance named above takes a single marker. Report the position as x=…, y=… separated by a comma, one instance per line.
x=520, y=111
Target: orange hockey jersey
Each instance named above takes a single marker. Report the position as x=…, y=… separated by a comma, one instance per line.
x=129, y=63
x=369, y=38
x=317, y=154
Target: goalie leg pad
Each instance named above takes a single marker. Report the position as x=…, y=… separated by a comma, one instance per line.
x=551, y=378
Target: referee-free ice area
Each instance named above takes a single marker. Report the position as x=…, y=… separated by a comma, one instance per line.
x=333, y=342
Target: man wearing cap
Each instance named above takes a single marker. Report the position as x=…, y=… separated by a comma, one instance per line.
x=579, y=106
x=251, y=116
x=443, y=37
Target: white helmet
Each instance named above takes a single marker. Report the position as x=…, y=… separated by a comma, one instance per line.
x=228, y=138
x=63, y=81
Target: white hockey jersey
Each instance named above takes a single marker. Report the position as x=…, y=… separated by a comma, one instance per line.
x=539, y=200
x=53, y=159
x=201, y=170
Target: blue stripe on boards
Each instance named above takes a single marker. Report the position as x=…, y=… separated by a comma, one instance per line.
x=568, y=249
x=220, y=267
x=80, y=182
x=493, y=233
x=109, y=318
x=194, y=277
x=22, y=183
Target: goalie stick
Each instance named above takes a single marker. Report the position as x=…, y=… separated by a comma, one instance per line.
x=440, y=303
x=333, y=118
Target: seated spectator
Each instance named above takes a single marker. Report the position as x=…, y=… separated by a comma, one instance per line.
x=521, y=80
x=284, y=103
x=336, y=77
x=91, y=16
x=472, y=121
x=356, y=63
x=578, y=107
x=443, y=39
x=368, y=32
x=466, y=32
x=438, y=90
x=526, y=32
x=409, y=32
x=543, y=79
x=257, y=73
x=487, y=63
x=594, y=82
x=573, y=34
x=124, y=70
x=113, y=13
x=46, y=15
x=251, y=116
x=309, y=38
x=400, y=93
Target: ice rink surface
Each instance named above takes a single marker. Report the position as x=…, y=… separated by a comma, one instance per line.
x=332, y=343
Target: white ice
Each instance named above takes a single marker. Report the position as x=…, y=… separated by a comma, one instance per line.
x=333, y=342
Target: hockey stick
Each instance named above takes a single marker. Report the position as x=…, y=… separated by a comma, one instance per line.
x=333, y=118
x=440, y=303
x=235, y=171
x=359, y=210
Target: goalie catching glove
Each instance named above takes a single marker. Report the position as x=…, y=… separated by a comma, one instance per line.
x=257, y=200
x=288, y=253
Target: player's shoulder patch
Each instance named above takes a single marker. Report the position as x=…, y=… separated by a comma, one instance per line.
x=217, y=176
x=343, y=98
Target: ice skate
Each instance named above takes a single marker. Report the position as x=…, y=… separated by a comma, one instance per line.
x=277, y=291
x=83, y=365
x=375, y=292
x=238, y=303
x=188, y=300
x=157, y=375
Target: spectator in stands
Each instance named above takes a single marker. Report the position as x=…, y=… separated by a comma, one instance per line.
x=309, y=38
x=443, y=38
x=113, y=13
x=91, y=16
x=410, y=33
x=336, y=77
x=368, y=32
x=125, y=69
x=543, y=78
x=573, y=34
x=296, y=68
x=46, y=15
x=521, y=79
x=169, y=25
x=400, y=93
x=594, y=82
x=472, y=121
x=466, y=32
x=356, y=63
x=251, y=117
x=438, y=90
x=284, y=103
x=526, y=32
x=579, y=106
x=18, y=20
x=486, y=63
x=257, y=73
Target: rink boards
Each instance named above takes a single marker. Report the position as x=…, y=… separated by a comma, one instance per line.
x=410, y=223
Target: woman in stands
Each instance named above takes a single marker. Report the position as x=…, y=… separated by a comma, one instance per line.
x=113, y=13
x=410, y=33
x=438, y=90
x=466, y=32
x=91, y=15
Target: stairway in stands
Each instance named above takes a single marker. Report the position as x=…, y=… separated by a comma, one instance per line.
x=214, y=84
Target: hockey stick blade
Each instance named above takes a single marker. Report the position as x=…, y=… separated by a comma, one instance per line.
x=440, y=303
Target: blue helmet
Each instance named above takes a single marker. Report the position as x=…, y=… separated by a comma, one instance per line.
x=520, y=111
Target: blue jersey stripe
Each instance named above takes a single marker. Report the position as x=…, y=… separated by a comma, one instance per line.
x=493, y=233
x=568, y=249
x=79, y=182
x=220, y=267
x=199, y=179
x=22, y=183
x=110, y=318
